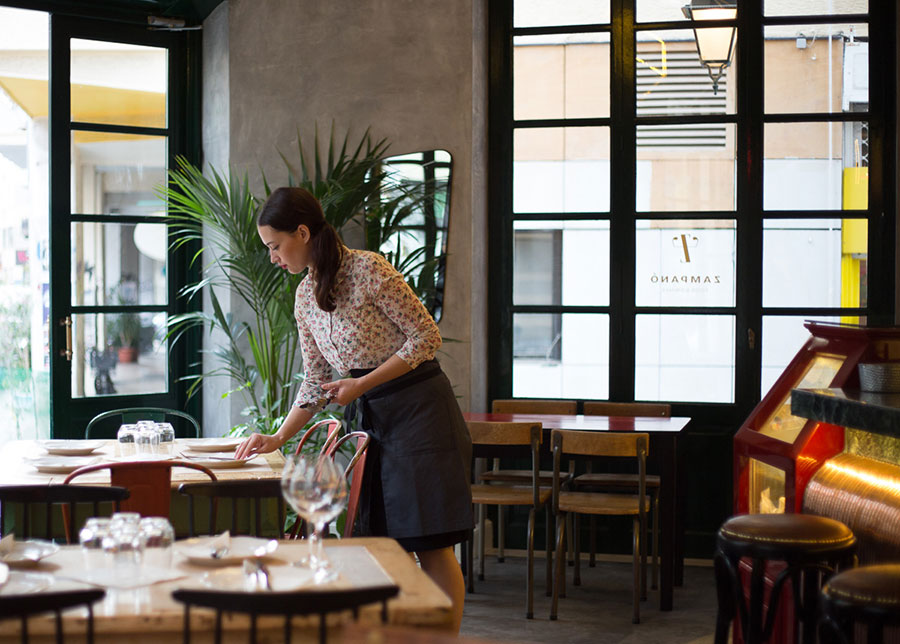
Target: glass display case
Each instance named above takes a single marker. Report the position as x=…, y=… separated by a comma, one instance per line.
x=776, y=452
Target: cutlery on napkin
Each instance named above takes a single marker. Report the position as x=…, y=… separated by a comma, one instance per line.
x=220, y=545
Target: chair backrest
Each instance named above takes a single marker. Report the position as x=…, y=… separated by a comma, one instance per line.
x=256, y=491
x=532, y=406
x=628, y=410
x=331, y=426
x=354, y=473
x=503, y=433
x=45, y=497
x=22, y=606
x=106, y=424
x=150, y=483
x=618, y=444
x=317, y=602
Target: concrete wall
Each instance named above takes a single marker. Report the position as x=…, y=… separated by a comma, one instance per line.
x=412, y=70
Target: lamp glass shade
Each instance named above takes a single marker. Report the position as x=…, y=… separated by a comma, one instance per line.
x=714, y=44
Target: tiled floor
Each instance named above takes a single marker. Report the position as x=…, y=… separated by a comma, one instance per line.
x=597, y=612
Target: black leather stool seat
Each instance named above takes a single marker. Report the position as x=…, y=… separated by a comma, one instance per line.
x=868, y=595
x=807, y=547
x=782, y=535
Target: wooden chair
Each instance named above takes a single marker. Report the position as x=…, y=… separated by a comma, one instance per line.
x=25, y=605
x=609, y=444
x=286, y=604
x=520, y=477
x=106, y=425
x=256, y=491
x=624, y=482
x=150, y=483
x=353, y=472
x=487, y=435
x=48, y=496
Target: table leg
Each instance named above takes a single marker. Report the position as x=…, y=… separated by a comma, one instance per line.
x=664, y=449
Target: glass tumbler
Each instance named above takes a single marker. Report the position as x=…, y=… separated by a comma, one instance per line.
x=147, y=440
x=91, y=539
x=157, y=537
x=166, y=438
x=126, y=439
x=123, y=547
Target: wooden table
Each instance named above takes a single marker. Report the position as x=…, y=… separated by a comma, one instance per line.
x=663, y=450
x=14, y=470
x=149, y=614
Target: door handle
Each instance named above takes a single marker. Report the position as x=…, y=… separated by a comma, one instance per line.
x=67, y=322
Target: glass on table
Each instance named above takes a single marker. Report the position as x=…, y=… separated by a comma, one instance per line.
x=316, y=489
x=166, y=438
x=126, y=438
x=157, y=537
x=91, y=539
x=147, y=439
x=122, y=545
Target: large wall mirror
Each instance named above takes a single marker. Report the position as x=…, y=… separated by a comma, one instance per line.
x=410, y=225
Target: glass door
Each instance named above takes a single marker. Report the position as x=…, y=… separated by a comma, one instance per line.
x=113, y=131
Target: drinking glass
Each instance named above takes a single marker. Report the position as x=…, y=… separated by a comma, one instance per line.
x=147, y=440
x=166, y=438
x=122, y=545
x=316, y=488
x=91, y=539
x=157, y=536
x=126, y=438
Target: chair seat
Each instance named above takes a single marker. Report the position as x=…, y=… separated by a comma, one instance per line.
x=597, y=503
x=507, y=495
x=545, y=477
x=876, y=586
x=606, y=479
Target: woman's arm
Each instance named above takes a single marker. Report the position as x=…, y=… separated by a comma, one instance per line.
x=263, y=443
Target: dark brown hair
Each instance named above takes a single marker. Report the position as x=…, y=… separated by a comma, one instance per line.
x=288, y=208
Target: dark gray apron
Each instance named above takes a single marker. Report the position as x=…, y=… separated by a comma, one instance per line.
x=419, y=457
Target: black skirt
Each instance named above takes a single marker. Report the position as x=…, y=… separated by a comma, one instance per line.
x=416, y=478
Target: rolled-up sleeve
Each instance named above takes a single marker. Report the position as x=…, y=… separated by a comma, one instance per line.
x=397, y=301
x=316, y=369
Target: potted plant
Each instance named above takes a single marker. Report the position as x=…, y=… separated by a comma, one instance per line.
x=124, y=329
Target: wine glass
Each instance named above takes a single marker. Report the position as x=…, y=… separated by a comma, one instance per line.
x=316, y=488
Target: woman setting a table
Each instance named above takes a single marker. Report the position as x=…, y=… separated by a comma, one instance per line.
x=356, y=314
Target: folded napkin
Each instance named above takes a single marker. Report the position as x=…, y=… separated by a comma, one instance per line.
x=113, y=578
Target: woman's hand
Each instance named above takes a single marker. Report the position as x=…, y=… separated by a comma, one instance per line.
x=257, y=444
x=344, y=391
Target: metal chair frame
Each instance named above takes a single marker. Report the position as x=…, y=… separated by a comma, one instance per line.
x=134, y=414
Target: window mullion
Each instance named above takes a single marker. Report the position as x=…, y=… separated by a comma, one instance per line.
x=623, y=186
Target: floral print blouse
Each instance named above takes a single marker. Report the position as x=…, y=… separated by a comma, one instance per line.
x=377, y=316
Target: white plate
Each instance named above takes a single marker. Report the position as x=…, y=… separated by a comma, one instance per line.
x=60, y=464
x=281, y=579
x=24, y=583
x=215, y=462
x=224, y=444
x=4, y=573
x=70, y=447
x=28, y=553
x=199, y=550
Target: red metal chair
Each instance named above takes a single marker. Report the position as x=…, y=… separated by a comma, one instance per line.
x=331, y=425
x=150, y=483
x=353, y=472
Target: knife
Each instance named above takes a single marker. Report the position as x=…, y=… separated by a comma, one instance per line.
x=318, y=405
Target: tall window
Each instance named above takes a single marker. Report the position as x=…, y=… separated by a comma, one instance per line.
x=667, y=236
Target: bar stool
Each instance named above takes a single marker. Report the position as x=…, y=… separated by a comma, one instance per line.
x=869, y=595
x=808, y=546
